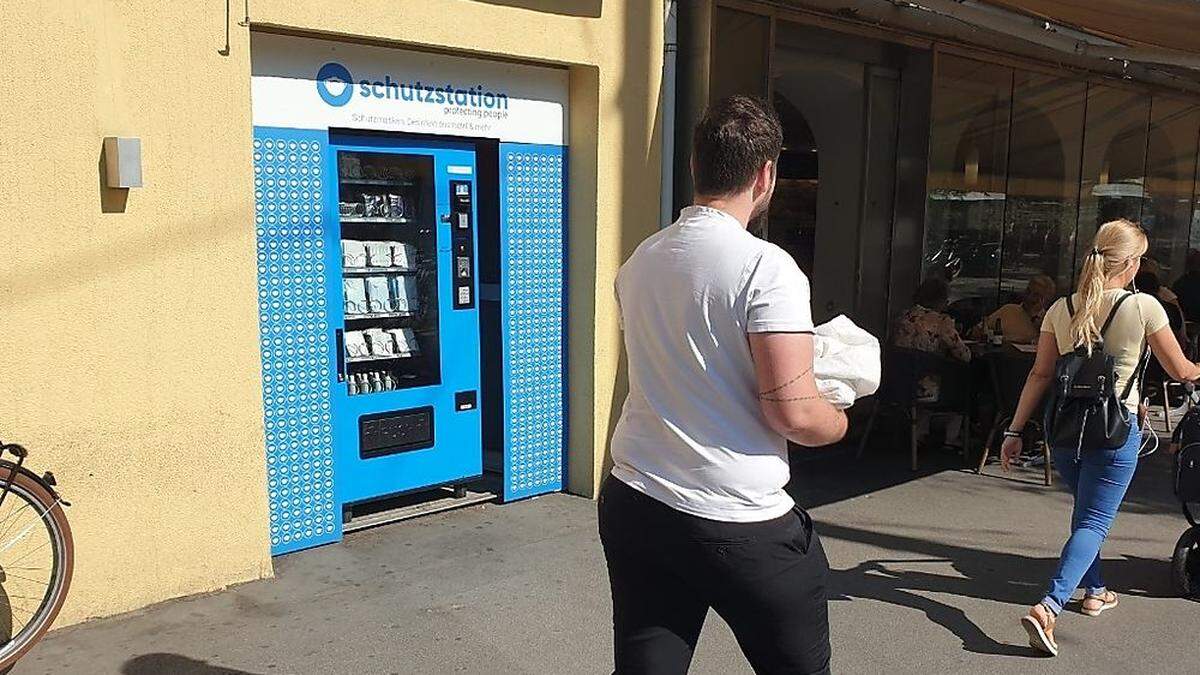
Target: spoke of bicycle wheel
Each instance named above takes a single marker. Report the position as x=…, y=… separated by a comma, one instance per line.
x=22, y=567
x=31, y=580
x=11, y=518
x=31, y=552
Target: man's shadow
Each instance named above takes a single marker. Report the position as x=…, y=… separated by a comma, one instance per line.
x=985, y=575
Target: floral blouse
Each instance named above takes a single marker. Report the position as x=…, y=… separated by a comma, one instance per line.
x=929, y=331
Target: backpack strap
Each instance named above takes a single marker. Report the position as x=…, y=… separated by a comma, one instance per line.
x=1112, y=314
x=1139, y=371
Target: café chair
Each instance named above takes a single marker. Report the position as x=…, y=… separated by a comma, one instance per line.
x=1156, y=384
x=1007, y=370
x=900, y=391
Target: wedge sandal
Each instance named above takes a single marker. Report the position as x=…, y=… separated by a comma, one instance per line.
x=1040, y=627
x=1094, y=605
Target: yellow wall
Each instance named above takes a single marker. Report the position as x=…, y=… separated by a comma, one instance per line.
x=129, y=329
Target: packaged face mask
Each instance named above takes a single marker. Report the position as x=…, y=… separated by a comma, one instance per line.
x=356, y=343
x=381, y=342
x=404, y=293
x=404, y=256
x=406, y=340
x=379, y=297
x=397, y=206
x=354, y=253
x=379, y=253
x=374, y=206
x=355, y=293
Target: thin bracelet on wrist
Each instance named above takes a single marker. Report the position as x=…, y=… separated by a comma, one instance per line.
x=1009, y=433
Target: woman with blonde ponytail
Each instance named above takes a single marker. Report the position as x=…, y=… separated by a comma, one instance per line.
x=1098, y=479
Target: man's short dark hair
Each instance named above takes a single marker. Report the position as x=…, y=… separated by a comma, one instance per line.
x=736, y=137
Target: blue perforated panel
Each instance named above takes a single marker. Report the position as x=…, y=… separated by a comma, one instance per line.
x=533, y=299
x=293, y=337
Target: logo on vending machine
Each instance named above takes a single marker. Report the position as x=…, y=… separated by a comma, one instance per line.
x=335, y=84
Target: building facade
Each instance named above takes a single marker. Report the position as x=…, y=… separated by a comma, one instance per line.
x=180, y=353
x=979, y=141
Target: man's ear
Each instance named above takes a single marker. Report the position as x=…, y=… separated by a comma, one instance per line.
x=763, y=179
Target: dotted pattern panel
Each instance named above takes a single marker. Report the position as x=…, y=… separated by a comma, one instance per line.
x=293, y=329
x=533, y=298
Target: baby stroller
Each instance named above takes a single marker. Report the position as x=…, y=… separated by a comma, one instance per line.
x=1185, y=565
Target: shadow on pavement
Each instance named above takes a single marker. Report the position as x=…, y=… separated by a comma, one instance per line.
x=176, y=664
x=986, y=575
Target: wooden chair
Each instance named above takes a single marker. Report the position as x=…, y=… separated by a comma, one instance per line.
x=1008, y=369
x=1156, y=384
x=903, y=370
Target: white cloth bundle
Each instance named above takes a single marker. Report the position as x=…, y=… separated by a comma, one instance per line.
x=845, y=362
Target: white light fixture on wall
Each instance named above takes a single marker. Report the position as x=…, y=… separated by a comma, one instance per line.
x=122, y=162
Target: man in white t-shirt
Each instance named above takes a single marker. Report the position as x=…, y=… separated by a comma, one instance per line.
x=718, y=332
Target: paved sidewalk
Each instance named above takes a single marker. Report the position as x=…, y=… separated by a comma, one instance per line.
x=931, y=572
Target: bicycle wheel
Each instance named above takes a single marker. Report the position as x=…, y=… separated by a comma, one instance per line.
x=37, y=557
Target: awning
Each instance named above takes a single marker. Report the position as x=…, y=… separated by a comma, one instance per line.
x=1159, y=24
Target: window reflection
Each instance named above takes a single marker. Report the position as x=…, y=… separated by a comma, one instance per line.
x=1114, y=160
x=1043, y=181
x=1170, y=169
x=968, y=165
x=793, y=214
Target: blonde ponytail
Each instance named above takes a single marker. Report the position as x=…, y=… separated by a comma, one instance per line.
x=1118, y=244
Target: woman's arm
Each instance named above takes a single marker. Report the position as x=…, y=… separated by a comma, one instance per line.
x=1031, y=395
x=952, y=342
x=1165, y=347
x=1037, y=382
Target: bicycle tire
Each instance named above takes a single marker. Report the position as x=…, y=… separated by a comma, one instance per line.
x=26, y=487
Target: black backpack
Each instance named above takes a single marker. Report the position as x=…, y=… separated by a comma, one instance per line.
x=1084, y=410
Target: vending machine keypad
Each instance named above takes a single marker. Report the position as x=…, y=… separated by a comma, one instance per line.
x=464, y=244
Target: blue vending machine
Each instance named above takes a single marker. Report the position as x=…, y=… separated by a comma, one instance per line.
x=403, y=315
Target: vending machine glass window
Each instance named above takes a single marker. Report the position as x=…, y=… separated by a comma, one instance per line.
x=386, y=206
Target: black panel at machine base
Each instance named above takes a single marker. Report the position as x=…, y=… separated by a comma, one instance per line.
x=393, y=432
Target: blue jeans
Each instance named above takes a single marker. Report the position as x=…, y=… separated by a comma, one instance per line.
x=1098, y=480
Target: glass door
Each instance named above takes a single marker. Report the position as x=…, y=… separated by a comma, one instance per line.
x=405, y=385
x=389, y=271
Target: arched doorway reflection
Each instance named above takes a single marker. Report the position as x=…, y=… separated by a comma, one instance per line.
x=793, y=214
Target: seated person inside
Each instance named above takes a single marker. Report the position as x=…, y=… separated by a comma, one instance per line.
x=1149, y=283
x=926, y=327
x=1187, y=287
x=1020, y=323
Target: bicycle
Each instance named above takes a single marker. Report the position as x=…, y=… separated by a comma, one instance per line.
x=37, y=555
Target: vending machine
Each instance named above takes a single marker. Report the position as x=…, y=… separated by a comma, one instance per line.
x=410, y=229
x=406, y=383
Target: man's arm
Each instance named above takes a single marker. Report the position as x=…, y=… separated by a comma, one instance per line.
x=787, y=390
